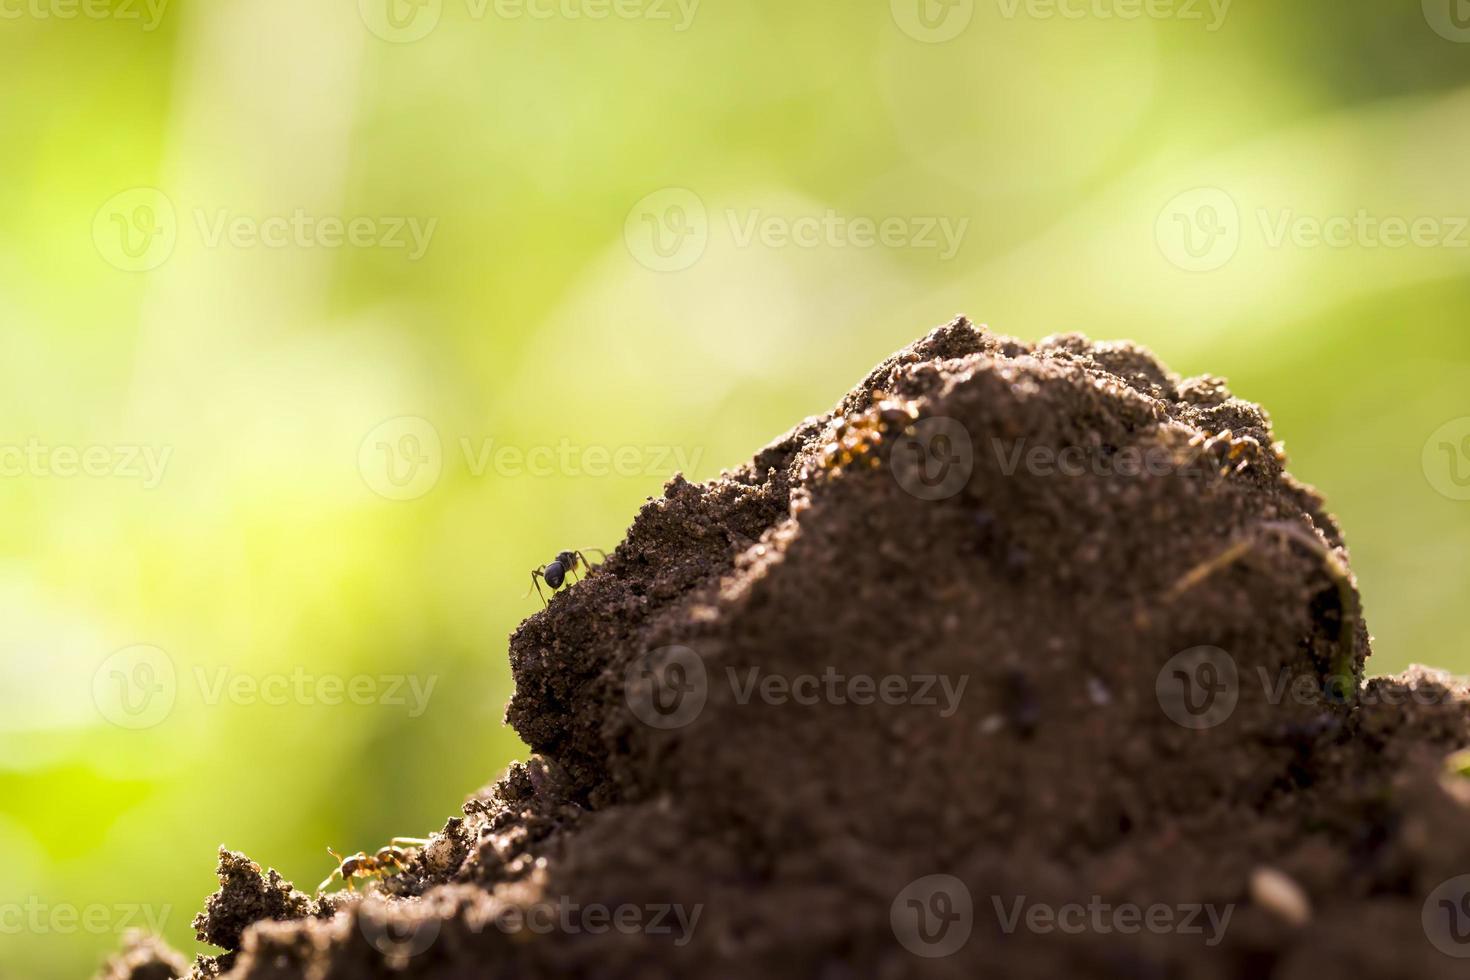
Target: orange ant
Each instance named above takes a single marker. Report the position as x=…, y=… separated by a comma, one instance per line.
x=390, y=860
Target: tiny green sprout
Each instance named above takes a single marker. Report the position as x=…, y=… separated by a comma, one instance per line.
x=1341, y=681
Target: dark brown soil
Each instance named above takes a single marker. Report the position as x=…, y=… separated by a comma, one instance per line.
x=1002, y=685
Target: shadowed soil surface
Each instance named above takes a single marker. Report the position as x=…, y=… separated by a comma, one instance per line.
x=1026, y=660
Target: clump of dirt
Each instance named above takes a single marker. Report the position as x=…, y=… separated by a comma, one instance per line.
x=246, y=896
x=144, y=957
x=1025, y=660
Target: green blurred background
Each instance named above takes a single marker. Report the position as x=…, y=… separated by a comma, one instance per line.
x=652, y=236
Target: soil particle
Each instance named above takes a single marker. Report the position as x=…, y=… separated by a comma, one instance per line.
x=1115, y=665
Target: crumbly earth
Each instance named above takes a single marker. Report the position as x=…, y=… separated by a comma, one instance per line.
x=1104, y=672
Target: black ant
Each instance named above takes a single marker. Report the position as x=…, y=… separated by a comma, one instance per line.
x=390, y=860
x=555, y=571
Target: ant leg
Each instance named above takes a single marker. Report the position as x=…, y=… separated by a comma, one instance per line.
x=578, y=556
x=536, y=583
x=336, y=872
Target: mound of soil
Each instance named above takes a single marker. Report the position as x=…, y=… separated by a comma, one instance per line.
x=1027, y=660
